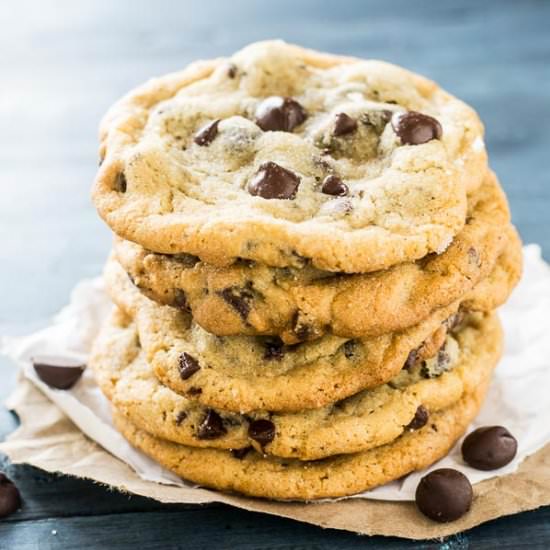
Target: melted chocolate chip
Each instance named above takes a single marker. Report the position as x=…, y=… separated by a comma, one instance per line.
x=262, y=431
x=343, y=125
x=415, y=128
x=411, y=359
x=274, y=349
x=279, y=114
x=120, y=183
x=58, y=372
x=455, y=320
x=302, y=330
x=333, y=185
x=180, y=300
x=240, y=453
x=274, y=182
x=444, y=495
x=211, y=426
x=350, y=347
x=10, y=499
x=188, y=366
x=206, y=134
x=239, y=299
x=420, y=418
x=489, y=448
x=181, y=416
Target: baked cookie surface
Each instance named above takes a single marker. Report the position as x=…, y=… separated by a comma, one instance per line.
x=255, y=299
x=366, y=420
x=245, y=373
x=284, y=155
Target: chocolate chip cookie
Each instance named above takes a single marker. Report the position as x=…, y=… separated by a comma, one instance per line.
x=438, y=377
x=254, y=474
x=245, y=373
x=293, y=303
x=287, y=156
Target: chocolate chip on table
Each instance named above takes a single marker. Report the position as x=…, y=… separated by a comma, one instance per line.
x=239, y=299
x=274, y=349
x=415, y=128
x=420, y=419
x=10, y=499
x=489, y=448
x=333, y=185
x=272, y=181
x=211, y=426
x=61, y=373
x=344, y=125
x=120, y=183
x=444, y=495
x=240, y=453
x=279, y=114
x=262, y=431
x=188, y=366
x=206, y=134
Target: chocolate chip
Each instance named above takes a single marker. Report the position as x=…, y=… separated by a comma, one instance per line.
x=239, y=299
x=211, y=426
x=279, y=114
x=455, y=320
x=410, y=362
x=274, y=349
x=343, y=125
x=420, y=418
x=333, y=185
x=206, y=134
x=415, y=128
x=302, y=329
x=232, y=71
x=10, y=499
x=444, y=495
x=350, y=348
x=262, y=431
x=240, y=453
x=193, y=390
x=440, y=366
x=120, y=184
x=274, y=182
x=489, y=448
x=188, y=366
x=180, y=300
x=61, y=373
x=181, y=416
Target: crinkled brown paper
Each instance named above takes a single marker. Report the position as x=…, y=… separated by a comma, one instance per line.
x=48, y=440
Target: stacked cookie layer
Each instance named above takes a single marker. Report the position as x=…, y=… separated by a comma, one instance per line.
x=309, y=250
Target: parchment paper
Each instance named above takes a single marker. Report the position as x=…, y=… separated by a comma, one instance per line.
x=518, y=399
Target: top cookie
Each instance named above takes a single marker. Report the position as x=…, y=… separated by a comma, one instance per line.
x=283, y=155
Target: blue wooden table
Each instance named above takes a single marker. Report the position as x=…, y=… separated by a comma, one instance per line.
x=63, y=62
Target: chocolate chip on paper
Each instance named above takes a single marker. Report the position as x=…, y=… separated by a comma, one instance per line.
x=58, y=372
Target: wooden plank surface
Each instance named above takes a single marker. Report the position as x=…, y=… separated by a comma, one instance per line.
x=63, y=62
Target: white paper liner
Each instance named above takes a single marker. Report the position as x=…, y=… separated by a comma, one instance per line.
x=517, y=398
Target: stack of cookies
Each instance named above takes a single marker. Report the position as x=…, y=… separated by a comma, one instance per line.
x=309, y=251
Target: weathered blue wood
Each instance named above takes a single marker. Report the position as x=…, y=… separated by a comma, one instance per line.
x=62, y=63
